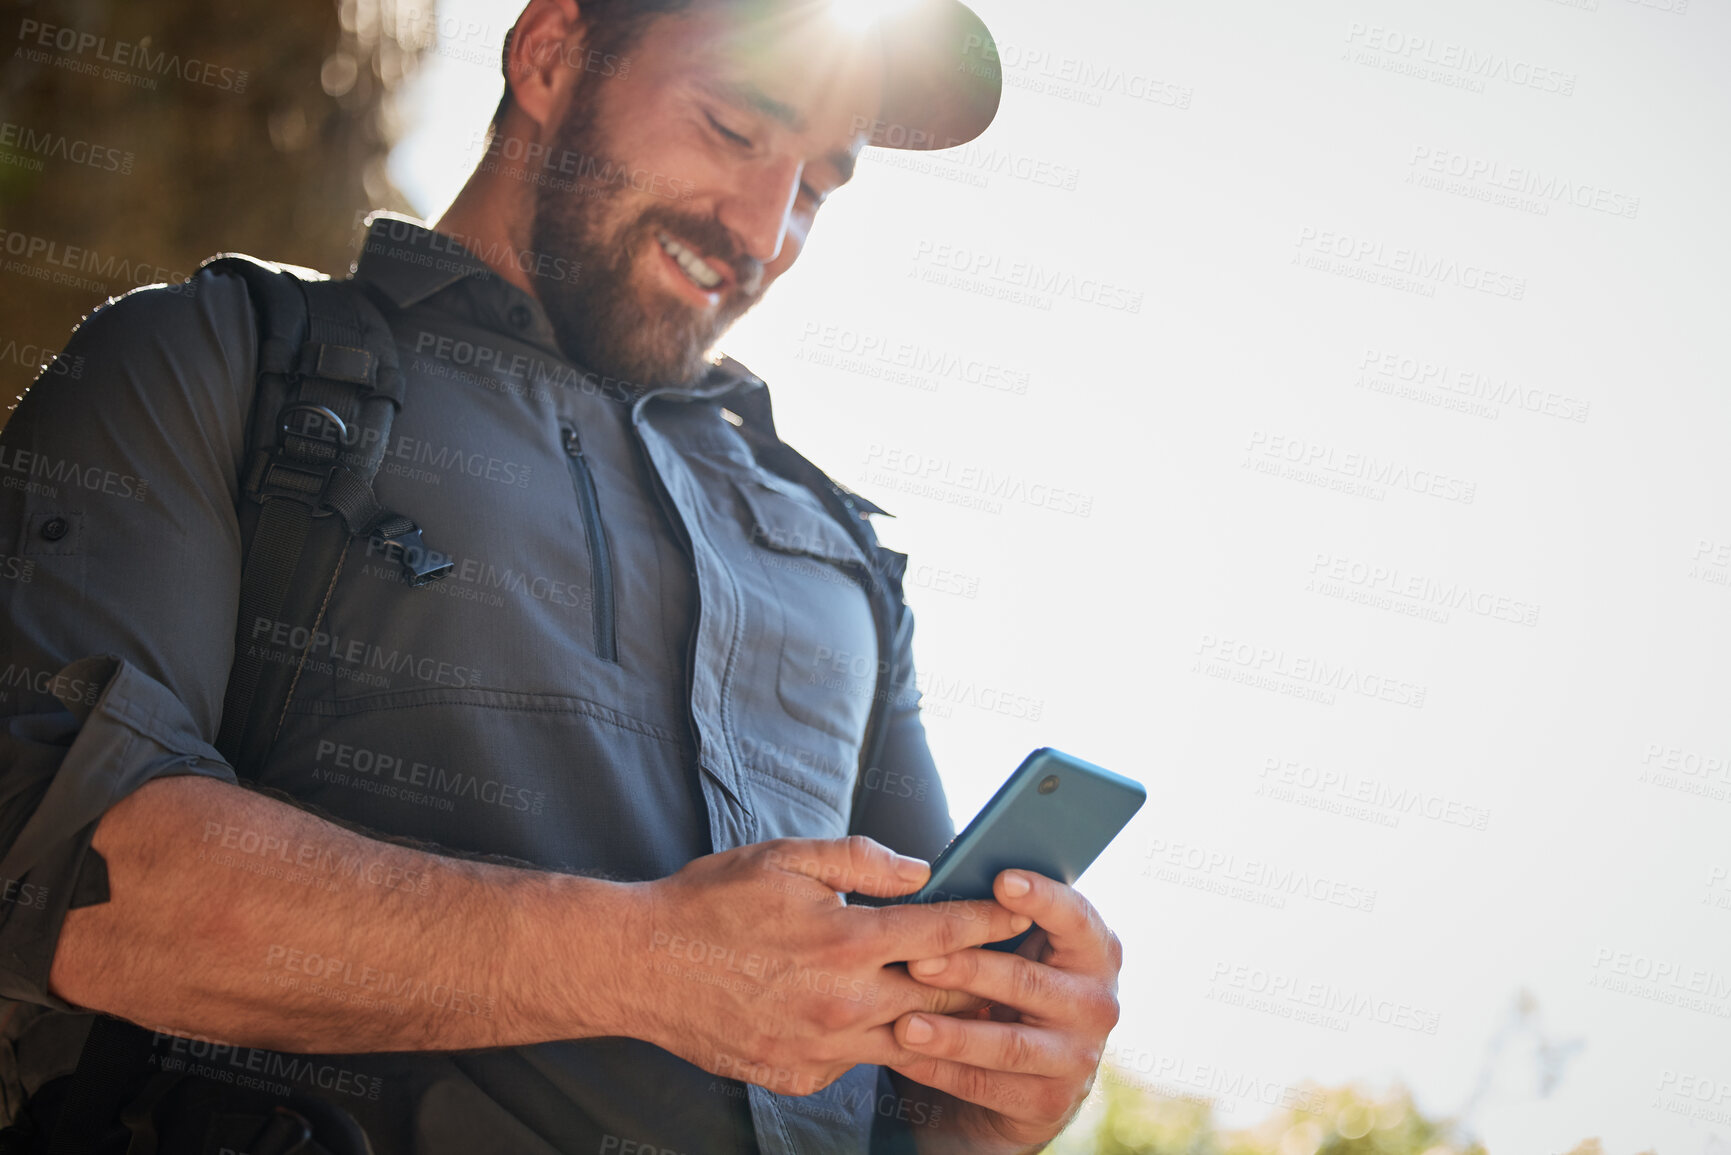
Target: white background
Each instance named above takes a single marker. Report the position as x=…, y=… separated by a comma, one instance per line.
x=1214, y=152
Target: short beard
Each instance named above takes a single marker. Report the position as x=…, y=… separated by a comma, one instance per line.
x=596, y=314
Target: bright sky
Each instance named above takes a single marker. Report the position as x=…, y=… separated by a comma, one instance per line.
x=1383, y=538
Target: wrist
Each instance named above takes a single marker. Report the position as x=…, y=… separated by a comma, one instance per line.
x=588, y=967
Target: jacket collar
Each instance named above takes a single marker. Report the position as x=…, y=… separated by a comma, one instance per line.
x=409, y=262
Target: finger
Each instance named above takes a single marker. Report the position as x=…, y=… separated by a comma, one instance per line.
x=921, y=930
x=1077, y=937
x=855, y=863
x=1015, y=1048
x=1023, y=1099
x=898, y=995
x=1037, y=990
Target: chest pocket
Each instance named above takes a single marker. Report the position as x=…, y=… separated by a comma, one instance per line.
x=828, y=667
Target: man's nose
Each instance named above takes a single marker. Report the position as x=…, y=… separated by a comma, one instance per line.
x=758, y=210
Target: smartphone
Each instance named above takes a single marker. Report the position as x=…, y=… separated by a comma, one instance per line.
x=1053, y=816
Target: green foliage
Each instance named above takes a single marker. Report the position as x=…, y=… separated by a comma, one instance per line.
x=1134, y=1119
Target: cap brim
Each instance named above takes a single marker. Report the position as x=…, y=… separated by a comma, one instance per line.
x=942, y=81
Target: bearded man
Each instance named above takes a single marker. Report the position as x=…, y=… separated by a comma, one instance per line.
x=552, y=854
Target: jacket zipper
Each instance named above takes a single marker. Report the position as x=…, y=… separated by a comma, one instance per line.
x=600, y=558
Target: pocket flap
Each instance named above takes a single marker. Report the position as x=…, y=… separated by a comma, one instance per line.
x=787, y=519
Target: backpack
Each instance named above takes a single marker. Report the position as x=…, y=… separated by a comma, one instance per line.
x=328, y=388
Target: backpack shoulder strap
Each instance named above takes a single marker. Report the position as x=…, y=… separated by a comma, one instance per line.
x=328, y=387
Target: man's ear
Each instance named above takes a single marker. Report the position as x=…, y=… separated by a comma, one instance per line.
x=545, y=56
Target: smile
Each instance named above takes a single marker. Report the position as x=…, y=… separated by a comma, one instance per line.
x=700, y=272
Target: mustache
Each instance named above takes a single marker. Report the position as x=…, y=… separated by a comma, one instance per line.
x=713, y=239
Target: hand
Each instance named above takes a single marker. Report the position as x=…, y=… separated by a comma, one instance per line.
x=750, y=964
x=1014, y=1075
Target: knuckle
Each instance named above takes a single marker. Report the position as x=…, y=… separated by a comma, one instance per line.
x=1114, y=950
x=975, y=1085
x=1109, y=1010
x=1018, y=1051
x=1052, y=1101
x=1027, y=981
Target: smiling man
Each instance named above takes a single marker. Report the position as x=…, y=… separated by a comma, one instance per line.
x=544, y=845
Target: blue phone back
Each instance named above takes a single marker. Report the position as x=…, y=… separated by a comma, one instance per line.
x=1057, y=832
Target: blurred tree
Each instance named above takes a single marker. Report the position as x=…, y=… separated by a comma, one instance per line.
x=137, y=139
x=1129, y=1117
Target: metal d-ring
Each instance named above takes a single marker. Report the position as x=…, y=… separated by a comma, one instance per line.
x=282, y=430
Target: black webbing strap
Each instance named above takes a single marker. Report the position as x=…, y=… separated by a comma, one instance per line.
x=114, y=1054
x=328, y=374
x=326, y=391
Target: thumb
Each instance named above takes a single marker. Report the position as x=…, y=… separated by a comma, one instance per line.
x=852, y=864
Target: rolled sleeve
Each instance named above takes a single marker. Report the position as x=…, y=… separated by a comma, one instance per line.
x=119, y=583
x=118, y=729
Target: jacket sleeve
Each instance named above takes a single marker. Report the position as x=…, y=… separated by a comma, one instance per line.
x=119, y=584
x=902, y=802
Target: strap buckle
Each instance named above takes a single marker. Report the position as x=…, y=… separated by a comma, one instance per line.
x=327, y=416
x=420, y=564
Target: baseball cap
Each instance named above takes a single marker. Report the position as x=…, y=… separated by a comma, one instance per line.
x=941, y=74
x=942, y=80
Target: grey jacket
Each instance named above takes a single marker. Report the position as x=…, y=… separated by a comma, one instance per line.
x=653, y=647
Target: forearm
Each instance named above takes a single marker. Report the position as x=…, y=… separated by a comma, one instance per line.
x=241, y=918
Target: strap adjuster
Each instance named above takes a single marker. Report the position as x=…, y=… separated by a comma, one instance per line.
x=329, y=417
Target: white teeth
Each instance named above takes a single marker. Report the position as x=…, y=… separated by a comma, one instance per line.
x=701, y=272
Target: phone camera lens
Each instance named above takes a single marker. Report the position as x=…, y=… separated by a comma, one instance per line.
x=1048, y=784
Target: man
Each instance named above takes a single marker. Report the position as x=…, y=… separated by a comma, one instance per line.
x=647, y=681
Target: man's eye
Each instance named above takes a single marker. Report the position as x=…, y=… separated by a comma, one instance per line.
x=727, y=133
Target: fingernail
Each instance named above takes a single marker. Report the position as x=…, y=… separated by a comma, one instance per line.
x=919, y=1031
x=1016, y=885
x=911, y=869
x=928, y=966
x=1021, y=923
